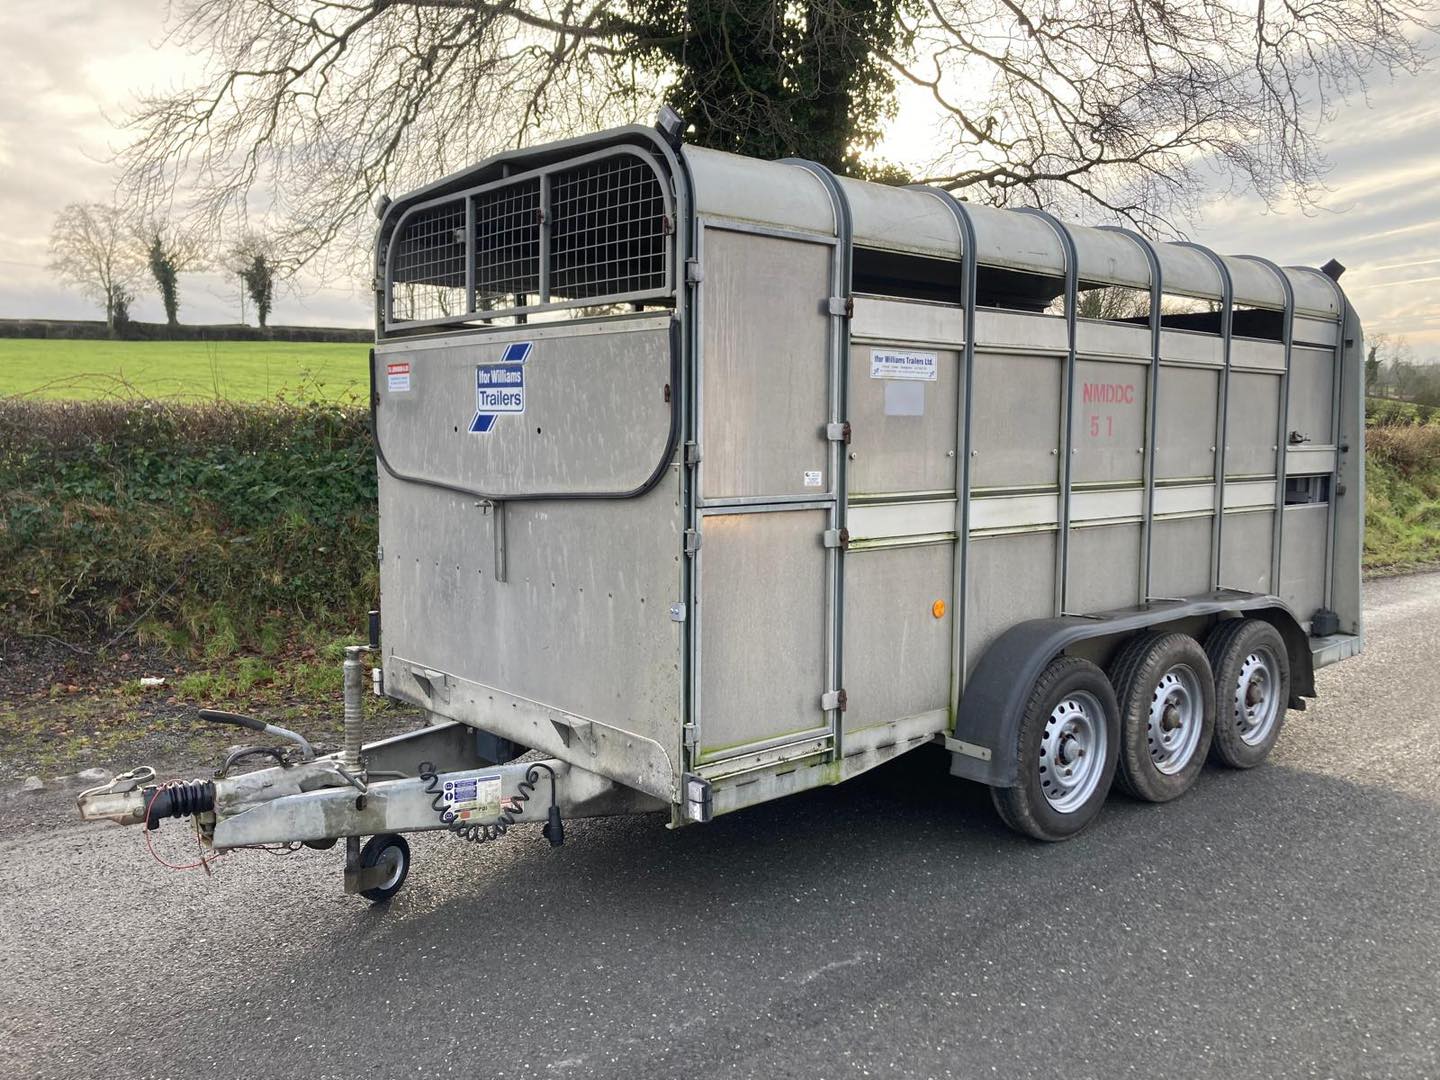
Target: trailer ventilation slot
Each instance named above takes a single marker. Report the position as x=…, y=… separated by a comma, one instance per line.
x=428, y=261
x=584, y=234
x=507, y=245
x=609, y=233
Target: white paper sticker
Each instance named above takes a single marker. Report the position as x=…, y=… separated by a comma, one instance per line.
x=398, y=376
x=814, y=478
x=904, y=397
x=902, y=364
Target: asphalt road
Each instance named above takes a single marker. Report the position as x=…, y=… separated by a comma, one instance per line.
x=1278, y=923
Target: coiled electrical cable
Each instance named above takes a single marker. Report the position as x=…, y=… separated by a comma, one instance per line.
x=483, y=831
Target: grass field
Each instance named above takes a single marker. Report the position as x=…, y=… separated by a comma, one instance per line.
x=184, y=370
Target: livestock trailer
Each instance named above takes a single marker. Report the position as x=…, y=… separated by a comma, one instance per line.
x=705, y=480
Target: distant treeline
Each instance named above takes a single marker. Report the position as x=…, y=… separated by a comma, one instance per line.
x=83, y=329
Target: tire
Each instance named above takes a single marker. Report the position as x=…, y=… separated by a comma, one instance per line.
x=386, y=849
x=1071, y=708
x=1166, y=693
x=1252, y=690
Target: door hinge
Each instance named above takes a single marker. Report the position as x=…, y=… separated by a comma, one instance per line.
x=692, y=736
x=838, y=432
x=842, y=305
x=379, y=554
x=692, y=452
x=677, y=612
x=837, y=538
x=833, y=701
x=694, y=272
x=693, y=539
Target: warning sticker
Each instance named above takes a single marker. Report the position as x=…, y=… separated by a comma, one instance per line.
x=473, y=796
x=398, y=376
x=901, y=364
x=814, y=478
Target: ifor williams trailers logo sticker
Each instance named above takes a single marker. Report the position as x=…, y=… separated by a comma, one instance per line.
x=500, y=387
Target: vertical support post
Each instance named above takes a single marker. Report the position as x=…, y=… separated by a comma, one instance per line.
x=1287, y=336
x=965, y=390
x=1337, y=393
x=1222, y=406
x=545, y=238
x=1067, y=402
x=1152, y=395
x=470, y=254
x=841, y=281
x=354, y=721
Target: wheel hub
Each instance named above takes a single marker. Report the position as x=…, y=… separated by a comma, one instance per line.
x=1175, y=720
x=1072, y=752
x=1257, y=704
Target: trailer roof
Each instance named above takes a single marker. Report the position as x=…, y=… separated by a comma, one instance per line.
x=917, y=221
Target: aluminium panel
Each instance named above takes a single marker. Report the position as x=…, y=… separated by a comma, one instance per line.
x=1109, y=429
x=1192, y=347
x=1302, y=558
x=1315, y=294
x=530, y=411
x=1015, y=241
x=1180, y=556
x=900, y=219
x=1254, y=285
x=1104, y=568
x=1256, y=353
x=1312, y=395
x=765, y=192
x=1245, y=551
x=1322, y=332
x=1250, y=433
x=762, y=624
x=581, y=622
x=1185, y=422
x=1021, y=332
x=897, y=652
x=1012, y=578
x=885, y=319
x=765, y=381
x=1108, y=257
x=1096, y=337
x=903, y=430
x=1015, y=422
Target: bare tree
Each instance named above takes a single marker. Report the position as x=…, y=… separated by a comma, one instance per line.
x=170, y=249
x=257, y=260
x=1118, y=104
x=92, y=249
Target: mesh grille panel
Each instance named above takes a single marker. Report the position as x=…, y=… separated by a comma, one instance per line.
x=507, y=245
x=429, y=265
x=578, y=233
x=608, y=230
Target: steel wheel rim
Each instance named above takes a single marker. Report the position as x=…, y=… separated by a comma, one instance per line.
x=1177, y=713
x=394, y=863
x=1257, y=696
x=1072, y=752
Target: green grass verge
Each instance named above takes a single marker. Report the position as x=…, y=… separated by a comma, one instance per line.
x=1402, y=496
x=183, y=370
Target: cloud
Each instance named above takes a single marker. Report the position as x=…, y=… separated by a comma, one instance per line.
x=71, y=64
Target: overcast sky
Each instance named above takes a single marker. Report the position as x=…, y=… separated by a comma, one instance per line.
x=71, y=65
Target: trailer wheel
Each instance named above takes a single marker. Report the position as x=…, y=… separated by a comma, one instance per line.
x=392, y=851
x=1068, y=744
x=1252, y=688
x=1166, y=692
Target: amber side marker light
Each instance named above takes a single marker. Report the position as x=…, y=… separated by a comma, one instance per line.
x=938, y=609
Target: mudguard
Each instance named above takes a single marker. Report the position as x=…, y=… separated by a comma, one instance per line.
x=987, y=725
